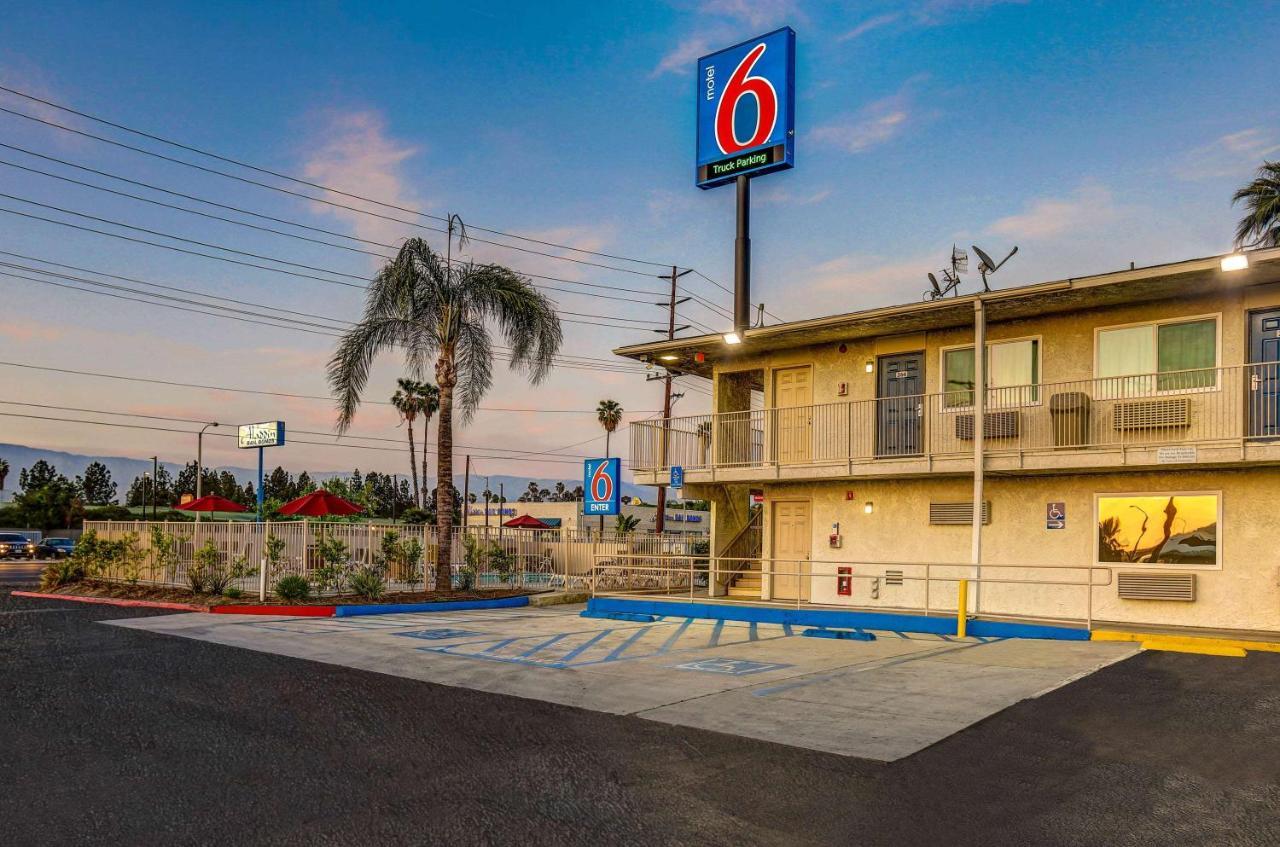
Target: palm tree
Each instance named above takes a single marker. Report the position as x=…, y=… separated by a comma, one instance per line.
x=609, y=413
x=1262, y=200
x=429, y=309
x=4, y=472
x=406, y=401
x=428, y=405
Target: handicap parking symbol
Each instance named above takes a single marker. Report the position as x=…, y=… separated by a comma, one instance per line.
x=733, y=667
x=437, y=634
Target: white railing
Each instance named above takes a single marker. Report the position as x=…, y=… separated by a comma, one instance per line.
x=163, y=553
x=1229, y=405
x=1048, y=593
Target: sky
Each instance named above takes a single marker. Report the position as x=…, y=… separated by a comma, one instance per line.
x=1087, y=134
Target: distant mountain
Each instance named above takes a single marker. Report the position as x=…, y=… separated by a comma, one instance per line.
x=123, y=470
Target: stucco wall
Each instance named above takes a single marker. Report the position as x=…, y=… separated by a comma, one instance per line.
x=1244, y=593
x=1067, y=351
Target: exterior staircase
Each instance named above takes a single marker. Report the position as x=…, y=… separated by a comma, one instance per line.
x=746, y=582
x=744, y=550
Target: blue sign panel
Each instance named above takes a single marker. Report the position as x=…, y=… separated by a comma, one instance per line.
x=677, y=476
x=746, y=109
x=602, y=483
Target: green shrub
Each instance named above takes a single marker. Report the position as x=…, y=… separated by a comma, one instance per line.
x=292, y=587
x=464, y=578
x=367, y=583
x=414, y=515
x=61, y=572
x=232, y=592
x=202, y=573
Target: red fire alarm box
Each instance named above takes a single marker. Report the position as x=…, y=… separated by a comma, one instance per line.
x=844, y=581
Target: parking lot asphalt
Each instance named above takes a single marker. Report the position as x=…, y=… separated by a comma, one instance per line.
x=882, y=698
x=117, y=736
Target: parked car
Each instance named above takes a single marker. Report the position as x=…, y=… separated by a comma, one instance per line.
x=55, y=548
x=14, y=545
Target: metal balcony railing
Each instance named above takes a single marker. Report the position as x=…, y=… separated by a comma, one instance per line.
x=1229, y=405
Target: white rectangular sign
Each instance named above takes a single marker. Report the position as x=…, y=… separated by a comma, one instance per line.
x=1175, y=455
x=268, y=434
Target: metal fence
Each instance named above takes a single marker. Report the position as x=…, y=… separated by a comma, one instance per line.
x=1229, y=405
x=251, y=556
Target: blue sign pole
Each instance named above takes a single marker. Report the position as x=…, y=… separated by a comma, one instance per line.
x=260, y=449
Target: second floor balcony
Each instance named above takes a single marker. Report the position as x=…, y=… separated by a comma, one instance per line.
x=1212, y=416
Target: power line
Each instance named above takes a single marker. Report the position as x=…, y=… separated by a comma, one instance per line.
x=228, y=435
x=318, y=186
x=259, y=392
x=294, y=431
x=563, y=357
x=257, y=227
x=214, y=171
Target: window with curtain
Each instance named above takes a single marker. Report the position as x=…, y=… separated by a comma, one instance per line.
x=1013, y=374
x=1166, y=357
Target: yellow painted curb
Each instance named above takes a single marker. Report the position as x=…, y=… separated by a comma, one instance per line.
x=1189, y=643
x=1184, y=647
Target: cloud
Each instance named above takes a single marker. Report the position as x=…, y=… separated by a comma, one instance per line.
x=875, y=124
x=354, y=153
x=756, y=13
x=785, y=197
x=1234, y=154
x=681, y=58
x=935, y=12
x=1087, y=208
x=870, y=24
x=26, y=332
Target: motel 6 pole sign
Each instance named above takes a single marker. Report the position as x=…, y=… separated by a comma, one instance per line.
x=602, y=482
x=746, y=109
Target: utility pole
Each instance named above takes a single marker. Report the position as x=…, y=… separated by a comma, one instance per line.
x=155, y=488
x=200, y=462
x=671, y=304
x=466, y=492
x=502, y=499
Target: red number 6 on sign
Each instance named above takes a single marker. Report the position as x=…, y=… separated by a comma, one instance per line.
x=741, y=84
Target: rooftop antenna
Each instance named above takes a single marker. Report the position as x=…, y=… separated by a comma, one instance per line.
x=987, y=266
x=950, y=276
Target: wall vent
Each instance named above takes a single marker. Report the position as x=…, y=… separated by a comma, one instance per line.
x=1152, y=414
x=957, y=514
x=1133, y=585
x=994, y=425
x=893, y=577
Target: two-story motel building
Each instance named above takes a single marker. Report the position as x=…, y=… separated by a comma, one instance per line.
x=1128, y=438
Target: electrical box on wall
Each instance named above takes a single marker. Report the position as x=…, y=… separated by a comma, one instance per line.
x=834, y=539
x=842, y=389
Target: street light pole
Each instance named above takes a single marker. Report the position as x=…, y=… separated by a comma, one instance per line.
x=200, y=462
x=155, y=488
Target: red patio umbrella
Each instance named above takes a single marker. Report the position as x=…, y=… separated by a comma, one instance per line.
x=212, y=503
x=318, y=504
x=526, y=522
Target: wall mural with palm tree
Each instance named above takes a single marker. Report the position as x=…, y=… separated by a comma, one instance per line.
x=1158, y=529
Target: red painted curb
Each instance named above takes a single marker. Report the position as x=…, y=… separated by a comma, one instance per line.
x=299, y=611
x=111, y=601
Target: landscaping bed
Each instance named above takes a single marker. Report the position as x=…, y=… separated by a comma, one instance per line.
x=169, y=594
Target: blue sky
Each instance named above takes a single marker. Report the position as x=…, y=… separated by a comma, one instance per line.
x=1089, y=134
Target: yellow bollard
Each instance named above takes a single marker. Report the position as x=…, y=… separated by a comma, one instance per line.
x=962, y=607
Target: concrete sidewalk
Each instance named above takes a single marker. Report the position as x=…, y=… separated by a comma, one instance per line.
x=882, y=699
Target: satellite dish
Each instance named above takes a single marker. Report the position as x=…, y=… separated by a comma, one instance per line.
x=937, y=289
x=990, y=266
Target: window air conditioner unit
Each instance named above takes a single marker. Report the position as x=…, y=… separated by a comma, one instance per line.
x=1151, y=414
x=994, y=425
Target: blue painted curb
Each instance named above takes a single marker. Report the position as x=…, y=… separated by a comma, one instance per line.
x=439, y=606
x=623, y=616
x=599, y=607
x=839, y=634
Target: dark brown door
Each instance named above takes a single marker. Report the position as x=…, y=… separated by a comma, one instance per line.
x=1262, y=377
x=899, y=404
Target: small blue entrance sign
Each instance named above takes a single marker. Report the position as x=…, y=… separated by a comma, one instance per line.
x=677, y=476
